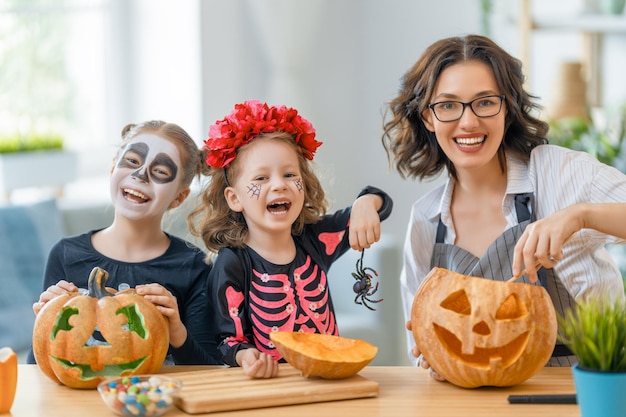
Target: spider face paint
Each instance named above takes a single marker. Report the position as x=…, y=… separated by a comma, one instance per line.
x=299, y=184
x=149, y=166
x=254, y=190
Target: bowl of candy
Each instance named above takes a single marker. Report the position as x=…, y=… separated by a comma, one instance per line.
x=140, y=395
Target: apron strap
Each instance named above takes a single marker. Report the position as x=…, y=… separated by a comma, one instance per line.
x=522, y=203
x=521, y=206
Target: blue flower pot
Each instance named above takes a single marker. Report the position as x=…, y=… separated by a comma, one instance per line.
x=600, y=394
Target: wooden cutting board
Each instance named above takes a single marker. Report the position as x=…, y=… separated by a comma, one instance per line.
x=225, y=389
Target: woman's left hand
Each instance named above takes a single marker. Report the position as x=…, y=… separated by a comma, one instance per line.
x=166, y=303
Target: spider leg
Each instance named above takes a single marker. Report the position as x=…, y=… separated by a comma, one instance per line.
x=365, y=304
x=356, y=298
x=373, y=301
x=370, y=269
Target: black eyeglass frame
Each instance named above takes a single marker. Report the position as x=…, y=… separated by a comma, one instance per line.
x=431, y=106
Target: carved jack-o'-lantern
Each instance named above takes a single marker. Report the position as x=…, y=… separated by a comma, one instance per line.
x=479, y=332
x=134, y=335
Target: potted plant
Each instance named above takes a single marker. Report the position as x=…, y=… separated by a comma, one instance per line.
x=34, y=160
x=595, y=331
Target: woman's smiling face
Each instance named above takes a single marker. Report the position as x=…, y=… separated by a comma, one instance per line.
x=470, y=142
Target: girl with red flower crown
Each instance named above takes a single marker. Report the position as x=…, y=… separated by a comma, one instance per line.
x=264, y=214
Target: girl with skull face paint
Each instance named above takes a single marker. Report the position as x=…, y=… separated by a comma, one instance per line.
x=151, y=174
x=264, y=213
x=511, y=200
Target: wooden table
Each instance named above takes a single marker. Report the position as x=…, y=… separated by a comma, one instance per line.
x=404, y=391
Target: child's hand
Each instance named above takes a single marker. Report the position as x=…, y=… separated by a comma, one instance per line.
x=166, y=303
x=365, y=221
x=53, y=291
x=257, y=364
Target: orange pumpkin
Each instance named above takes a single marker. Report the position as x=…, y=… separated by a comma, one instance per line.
x=323, y=355
x=8, y=378
x=135, y=333
x=480, y=332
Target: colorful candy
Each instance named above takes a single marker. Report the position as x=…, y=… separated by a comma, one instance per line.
x=147, y=396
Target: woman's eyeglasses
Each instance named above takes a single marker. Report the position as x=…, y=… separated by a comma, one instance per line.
x=450, y=111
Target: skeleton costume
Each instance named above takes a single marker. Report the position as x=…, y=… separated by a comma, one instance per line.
x=254, y=297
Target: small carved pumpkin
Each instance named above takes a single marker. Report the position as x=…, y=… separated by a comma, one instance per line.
x=8, y=378
x=480, y=332
x=323, y=355
x=135, y=333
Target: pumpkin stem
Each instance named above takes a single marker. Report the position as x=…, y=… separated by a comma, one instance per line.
x=97, y=278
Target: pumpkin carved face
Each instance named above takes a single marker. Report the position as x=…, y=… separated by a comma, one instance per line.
x=479, y=332
x=132, y=336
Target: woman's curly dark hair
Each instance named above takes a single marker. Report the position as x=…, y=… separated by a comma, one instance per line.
x=414, y=150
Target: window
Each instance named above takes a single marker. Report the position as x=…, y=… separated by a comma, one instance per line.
x=52, y=76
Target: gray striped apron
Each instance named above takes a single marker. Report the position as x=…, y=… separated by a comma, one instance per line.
x=496, y=264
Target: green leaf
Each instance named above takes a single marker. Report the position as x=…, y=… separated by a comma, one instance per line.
x=596, y=332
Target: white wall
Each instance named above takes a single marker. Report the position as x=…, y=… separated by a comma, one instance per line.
x=349, y=69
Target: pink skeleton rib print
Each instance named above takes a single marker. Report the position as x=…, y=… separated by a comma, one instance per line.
x=282, y=303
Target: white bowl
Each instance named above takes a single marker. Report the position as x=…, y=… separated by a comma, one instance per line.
x=140, y=395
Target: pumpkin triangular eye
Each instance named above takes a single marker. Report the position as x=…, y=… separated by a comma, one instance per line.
x=457, y=302
x=511, y=308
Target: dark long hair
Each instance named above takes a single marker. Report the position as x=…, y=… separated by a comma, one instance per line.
x=414, y=150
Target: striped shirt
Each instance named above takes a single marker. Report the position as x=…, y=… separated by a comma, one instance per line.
x=558, y=177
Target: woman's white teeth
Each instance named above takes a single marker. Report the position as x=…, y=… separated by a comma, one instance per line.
x=470, y=141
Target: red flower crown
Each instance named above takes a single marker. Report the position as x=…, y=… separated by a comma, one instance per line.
x=250, y=119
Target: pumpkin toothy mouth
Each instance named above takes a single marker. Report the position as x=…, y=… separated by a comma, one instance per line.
x=487, y=358
x=108, y=371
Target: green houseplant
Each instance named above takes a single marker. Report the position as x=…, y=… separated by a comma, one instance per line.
x=34, y=160
x=605, y=139
x=30, y=143
x=595, y=331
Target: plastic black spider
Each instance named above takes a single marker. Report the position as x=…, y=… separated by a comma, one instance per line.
x=363, y=285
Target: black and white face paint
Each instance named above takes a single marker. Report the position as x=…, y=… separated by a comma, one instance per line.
x=150, y=164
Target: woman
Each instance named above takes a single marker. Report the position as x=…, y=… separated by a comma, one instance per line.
x=511, y=200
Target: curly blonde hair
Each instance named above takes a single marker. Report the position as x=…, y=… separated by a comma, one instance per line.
x=218, y=226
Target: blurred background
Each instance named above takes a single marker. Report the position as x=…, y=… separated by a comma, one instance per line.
x=74, y=72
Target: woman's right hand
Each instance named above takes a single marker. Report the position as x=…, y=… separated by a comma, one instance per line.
x=421, y=361
x=53, y=291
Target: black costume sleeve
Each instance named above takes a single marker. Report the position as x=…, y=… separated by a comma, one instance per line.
x=387, y=207
x=228, y=291
x=200, y=347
